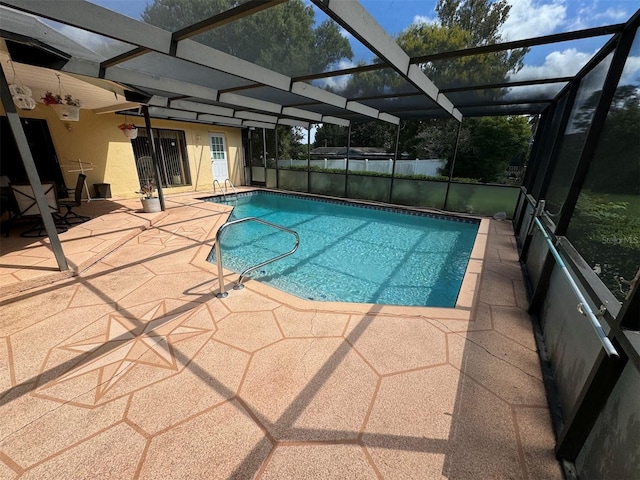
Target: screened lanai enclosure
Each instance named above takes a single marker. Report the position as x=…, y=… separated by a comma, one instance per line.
x=461, y=125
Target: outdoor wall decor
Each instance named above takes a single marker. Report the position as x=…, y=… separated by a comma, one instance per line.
x=66, y=106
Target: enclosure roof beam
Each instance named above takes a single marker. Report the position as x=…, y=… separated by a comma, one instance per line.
x=251, y=123
x=335, y=121
x=522, y=83
x=357, y=21
x=229, y=116
x=96, y=19
x=300, y=113
x=204, y=55
x=155, y=82
x=532, y=101
x=259, y=117
x=340, y=72
x=201, y=107
x=124, y=57
x=249, y=102
x=115, y=108
x=528, y=42
x=468, y=88
x=105, y=22
x=237, y=122
x=496, y=47
x=209, y=57
x=293, y=123
x=172, y=113
x=386, y=117
x=290, y=116
x=236, y=13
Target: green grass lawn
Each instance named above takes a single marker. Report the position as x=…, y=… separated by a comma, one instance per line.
x=633, y=201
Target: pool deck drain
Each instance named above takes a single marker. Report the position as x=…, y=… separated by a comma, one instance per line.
x=133, y=369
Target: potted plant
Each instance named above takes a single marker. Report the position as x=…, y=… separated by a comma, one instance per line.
x=150, y=203
x=129, y=130
x=67, y=107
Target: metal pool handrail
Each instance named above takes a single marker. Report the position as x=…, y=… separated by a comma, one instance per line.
x=222, y=293
x=583, y=306
x=224, y=190
x=216, y=182
x=232, y=188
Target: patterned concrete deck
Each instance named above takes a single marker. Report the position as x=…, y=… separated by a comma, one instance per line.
x=133, y=369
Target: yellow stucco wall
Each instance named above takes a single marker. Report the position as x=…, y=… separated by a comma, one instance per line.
x=96, y=139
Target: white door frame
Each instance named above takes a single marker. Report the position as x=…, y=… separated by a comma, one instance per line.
x=218, y=163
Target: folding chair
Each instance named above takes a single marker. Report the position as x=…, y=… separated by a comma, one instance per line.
x=76, y=201
x=28, y=208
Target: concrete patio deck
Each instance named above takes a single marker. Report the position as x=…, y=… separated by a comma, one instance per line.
x=132, y=368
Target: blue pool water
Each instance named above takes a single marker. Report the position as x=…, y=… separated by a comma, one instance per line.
x=350, y=253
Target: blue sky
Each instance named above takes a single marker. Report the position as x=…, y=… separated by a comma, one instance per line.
x=528, y=18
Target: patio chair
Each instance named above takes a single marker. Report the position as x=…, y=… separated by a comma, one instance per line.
x=76, y=201
x=28, y=208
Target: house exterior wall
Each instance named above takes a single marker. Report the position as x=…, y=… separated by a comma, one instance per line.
x=96, y=139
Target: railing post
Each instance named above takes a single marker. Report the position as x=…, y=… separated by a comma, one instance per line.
x=222, y=293
x=451, y=167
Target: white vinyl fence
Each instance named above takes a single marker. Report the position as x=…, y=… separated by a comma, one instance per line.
x=403, y=167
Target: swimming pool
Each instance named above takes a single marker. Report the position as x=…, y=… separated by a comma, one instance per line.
x=350, y=252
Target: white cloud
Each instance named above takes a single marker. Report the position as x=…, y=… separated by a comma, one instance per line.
x=531, y=18
x=618, y=15
x=418, y=19
x=336, y=83
x=557, y=64
x=594, y=14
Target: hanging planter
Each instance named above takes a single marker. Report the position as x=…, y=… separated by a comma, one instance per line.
x=21, y=94
x=24, y=102
x=131, y=133
x=68, y=113
x=17, y=89
x=129, y=130
x=67, y=108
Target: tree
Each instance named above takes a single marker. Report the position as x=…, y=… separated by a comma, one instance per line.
x=282, y=38
x=428, y=138
x=616, y=160
x=481, y=18
x=366, y=134
x=328, y=135
x=290, y=142
x=489, y=145
x=462, y=24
